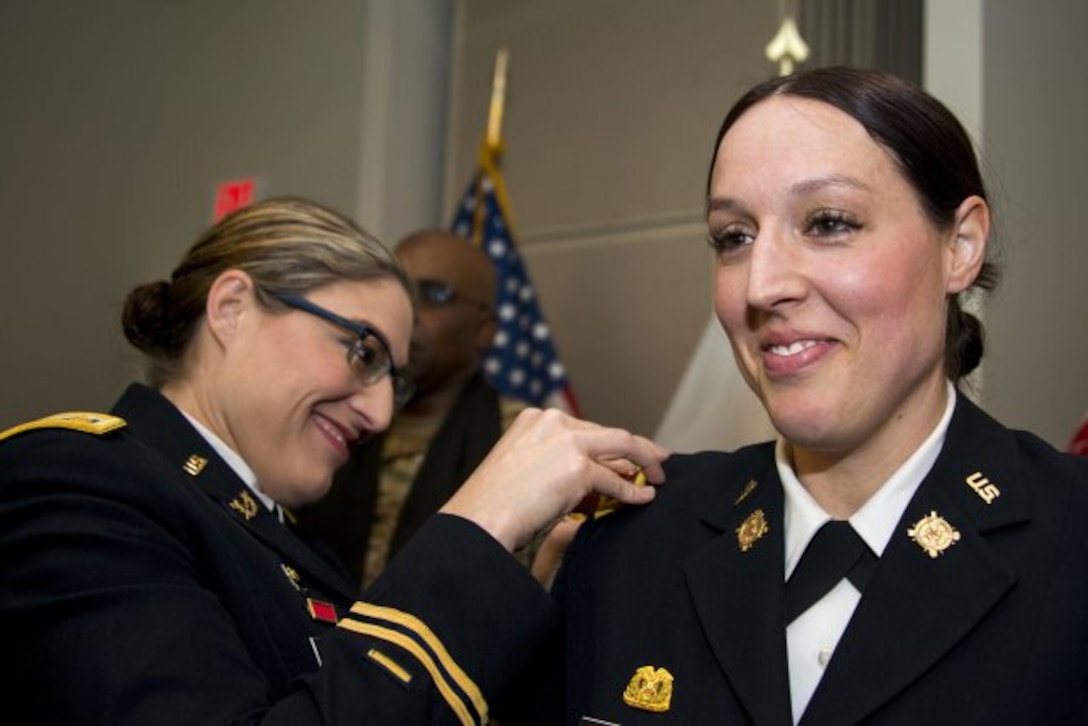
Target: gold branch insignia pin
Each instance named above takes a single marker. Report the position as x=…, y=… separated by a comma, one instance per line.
x=245, y=505
x=933, y=534
x=650, y=689
x=752, y=529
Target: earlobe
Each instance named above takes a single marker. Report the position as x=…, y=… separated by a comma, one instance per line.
x=972, y=237
x=486, y=334
x=229, y=296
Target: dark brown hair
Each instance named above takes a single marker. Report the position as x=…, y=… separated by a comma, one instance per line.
x=931, y=148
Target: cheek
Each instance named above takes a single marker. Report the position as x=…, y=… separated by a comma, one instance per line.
x=900, y=296
x=731, y=298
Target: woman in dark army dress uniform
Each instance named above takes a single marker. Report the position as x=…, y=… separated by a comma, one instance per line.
x=150, y=573
x=949, y=580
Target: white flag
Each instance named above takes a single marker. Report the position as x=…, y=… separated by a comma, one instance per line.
x=712, y=407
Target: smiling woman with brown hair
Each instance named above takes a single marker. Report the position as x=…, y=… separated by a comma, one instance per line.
x=896, y=556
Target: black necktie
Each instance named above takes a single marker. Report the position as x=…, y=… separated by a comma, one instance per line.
x=834, y=553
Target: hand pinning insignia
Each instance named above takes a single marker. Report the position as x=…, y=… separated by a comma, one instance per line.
x=598, y=505
x=245, y=505
x=751, y=529
x=934, y=534
x=650, y=689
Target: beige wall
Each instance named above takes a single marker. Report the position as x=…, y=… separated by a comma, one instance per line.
x=119, y=118
x=1034, y=105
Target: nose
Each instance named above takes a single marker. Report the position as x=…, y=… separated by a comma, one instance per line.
x=775, y=271
x=373, y=405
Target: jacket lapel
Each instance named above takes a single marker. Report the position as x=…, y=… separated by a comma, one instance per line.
x=159, y=424
x=736, y=585
x=920, y=604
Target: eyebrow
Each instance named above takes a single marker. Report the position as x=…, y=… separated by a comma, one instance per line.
x=808, y=186
x=831, y=180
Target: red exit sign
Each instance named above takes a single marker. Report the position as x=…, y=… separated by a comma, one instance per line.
x=233, y=195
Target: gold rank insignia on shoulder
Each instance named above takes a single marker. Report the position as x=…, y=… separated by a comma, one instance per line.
x=650, y=689
x=598, y=505
x=88, y=423
x=245, y=505
x=933, y=534
x=751, y=529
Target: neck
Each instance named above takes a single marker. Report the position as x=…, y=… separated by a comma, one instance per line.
x=842, y=481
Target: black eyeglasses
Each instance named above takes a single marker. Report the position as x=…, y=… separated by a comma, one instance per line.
x=438, y=293
x=368, y=356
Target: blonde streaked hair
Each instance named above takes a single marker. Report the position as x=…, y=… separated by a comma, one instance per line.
x=286, y=244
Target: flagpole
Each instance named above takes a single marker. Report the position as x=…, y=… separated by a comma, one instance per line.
x=489, y=151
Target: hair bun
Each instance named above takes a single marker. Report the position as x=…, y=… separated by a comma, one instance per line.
x=144, y=317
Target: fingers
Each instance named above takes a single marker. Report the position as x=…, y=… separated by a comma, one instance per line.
x=545, y=464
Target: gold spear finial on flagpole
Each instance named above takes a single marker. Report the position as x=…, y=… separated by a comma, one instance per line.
x=498, y=99
x=787, y=47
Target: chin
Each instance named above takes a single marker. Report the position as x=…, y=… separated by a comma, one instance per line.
x=307, y=493
x=807, y=428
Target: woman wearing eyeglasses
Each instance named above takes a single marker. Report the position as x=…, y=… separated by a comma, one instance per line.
x=395, y=482
x=151, y=573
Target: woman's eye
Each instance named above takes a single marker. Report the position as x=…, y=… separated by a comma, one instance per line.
x=730, y=238
x=831, y=223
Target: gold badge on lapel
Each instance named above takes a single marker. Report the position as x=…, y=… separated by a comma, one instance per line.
x=650, y=689
x=748, y=489
x=983, y=487
x=751, y=529
x=934, y=534
x=245, y=505
x=292, y=575
x=194, y=465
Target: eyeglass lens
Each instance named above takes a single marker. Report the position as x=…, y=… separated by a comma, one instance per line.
x=370, y=361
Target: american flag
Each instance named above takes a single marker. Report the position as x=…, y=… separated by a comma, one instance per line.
x=522, y=362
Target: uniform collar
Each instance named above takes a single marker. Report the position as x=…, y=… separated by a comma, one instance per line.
x=875, y=522
x=237, y=465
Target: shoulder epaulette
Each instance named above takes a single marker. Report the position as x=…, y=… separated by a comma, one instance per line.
x=90, y=423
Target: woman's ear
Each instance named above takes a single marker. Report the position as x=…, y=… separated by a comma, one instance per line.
x=972, y=236
x=230, y=297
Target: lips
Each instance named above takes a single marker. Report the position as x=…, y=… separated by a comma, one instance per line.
x=787, y=357
x=341, y=438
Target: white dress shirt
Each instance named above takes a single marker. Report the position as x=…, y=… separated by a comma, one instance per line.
x=812, y=637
